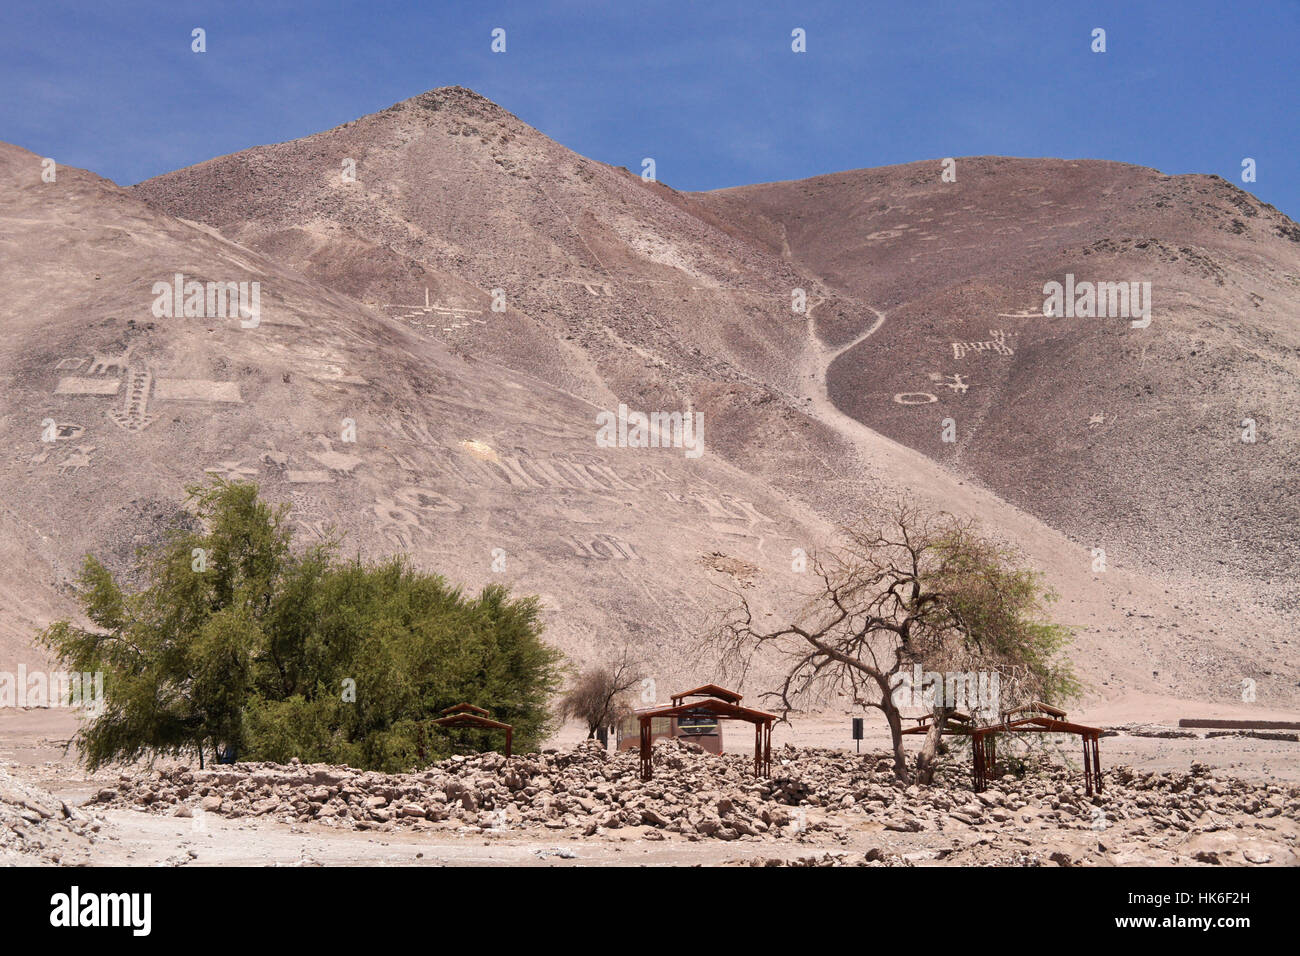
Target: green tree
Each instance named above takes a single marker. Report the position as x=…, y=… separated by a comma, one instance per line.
x=238, y=643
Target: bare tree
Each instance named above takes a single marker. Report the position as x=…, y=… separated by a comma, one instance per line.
x=924, y=590
x=598, y=696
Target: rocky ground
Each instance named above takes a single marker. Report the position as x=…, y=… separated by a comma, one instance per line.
x=1170, y=809
x=36, y=827
x=819, y=807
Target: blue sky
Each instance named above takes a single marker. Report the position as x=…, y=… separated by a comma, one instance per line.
x=710, y=89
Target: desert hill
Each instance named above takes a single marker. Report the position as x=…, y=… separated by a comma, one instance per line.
x=479, y=472
x=378, y=308
x=1126, y=438
x=618, y=287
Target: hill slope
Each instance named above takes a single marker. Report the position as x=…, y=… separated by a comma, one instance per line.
x=476, y=471
x=619, y=290
x=1114, y=434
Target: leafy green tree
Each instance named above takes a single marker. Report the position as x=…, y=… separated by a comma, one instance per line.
x=238, y=644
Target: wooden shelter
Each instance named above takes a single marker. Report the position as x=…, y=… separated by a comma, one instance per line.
x=719, y=703
x=1032, y=718
x=467, y=715
x=708, y=690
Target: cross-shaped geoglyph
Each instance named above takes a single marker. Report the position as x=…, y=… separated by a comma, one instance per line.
x=106, y=376
x=444, y=312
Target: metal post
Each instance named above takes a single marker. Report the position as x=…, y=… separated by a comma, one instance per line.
x=646, y=770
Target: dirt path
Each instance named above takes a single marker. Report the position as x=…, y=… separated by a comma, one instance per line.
x=910, y=469
x=142, y=839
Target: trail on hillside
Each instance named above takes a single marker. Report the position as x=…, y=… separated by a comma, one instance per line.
x=921, y=475
x=1085, y=598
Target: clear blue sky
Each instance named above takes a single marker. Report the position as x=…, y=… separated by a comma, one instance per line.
x=709, y=88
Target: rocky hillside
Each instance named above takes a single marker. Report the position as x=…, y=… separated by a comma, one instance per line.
x=463, y=296
x=355, y=421
x=1113, y=433
x=921, y=319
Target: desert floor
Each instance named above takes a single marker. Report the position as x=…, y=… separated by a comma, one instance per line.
x=32, y=749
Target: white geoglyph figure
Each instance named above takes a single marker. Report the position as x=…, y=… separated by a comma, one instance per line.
x=996, y=343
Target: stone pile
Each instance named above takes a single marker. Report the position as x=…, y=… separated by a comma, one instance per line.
x=873, y=857
x=36, y=827
x=585, y=791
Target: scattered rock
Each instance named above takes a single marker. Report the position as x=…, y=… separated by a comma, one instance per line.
x=813, y=794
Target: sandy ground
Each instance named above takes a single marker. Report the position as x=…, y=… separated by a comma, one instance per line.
x=32, y=746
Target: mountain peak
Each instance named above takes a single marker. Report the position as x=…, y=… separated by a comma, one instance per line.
x=454, y=98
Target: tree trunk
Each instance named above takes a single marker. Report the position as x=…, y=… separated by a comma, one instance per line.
x=927, y=760
x=896, y=734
